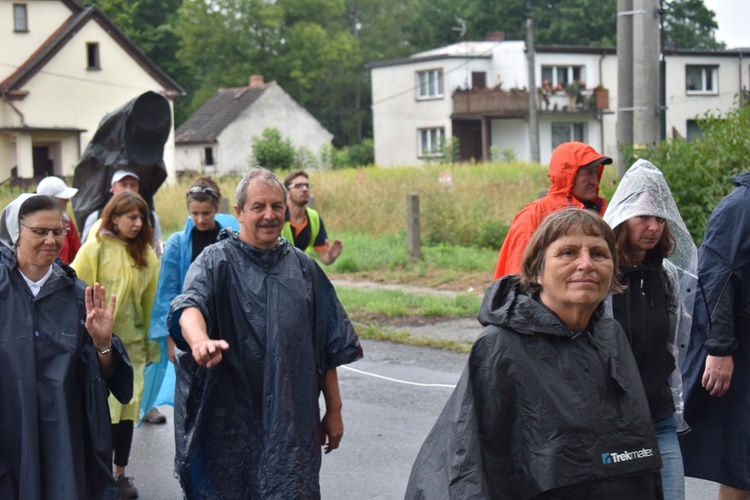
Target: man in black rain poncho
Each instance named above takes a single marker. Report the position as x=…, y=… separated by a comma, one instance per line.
x=263, y=333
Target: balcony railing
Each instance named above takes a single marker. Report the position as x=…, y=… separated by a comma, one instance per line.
x=491, y=102
x=515, y=103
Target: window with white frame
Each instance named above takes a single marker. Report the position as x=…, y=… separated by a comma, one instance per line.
x=566, y=132
x=702, y=79
x=563, y=75
x=430, y=84
x=430, y=141
x=20, y=17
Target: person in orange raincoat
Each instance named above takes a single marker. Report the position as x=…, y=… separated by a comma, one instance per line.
x=575, y=170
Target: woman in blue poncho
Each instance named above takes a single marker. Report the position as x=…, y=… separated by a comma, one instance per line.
x=201, y=230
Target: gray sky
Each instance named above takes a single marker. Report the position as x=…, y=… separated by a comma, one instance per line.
x=732, y=16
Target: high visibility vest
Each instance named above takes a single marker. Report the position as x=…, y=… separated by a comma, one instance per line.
x=313, y=219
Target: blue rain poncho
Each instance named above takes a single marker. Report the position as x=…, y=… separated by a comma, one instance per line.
x=174, y=266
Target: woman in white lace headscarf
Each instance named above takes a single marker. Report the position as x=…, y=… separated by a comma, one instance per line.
x=658, y=262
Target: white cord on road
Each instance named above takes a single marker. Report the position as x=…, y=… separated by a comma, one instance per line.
x=449, y=386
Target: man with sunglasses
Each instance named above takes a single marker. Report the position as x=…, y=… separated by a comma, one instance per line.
x=303, y=226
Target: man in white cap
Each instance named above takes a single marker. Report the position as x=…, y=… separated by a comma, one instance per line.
x=56, y=188
x=122, y=180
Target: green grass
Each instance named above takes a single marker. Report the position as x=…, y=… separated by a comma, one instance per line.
x=371, y=331
x=393, y=303
x=364, y=253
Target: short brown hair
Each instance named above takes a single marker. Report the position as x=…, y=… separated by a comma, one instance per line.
x=293, y=175
x=556, y=225
x=125, y=202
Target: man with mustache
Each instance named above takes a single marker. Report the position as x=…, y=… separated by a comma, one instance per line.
x=263, y=333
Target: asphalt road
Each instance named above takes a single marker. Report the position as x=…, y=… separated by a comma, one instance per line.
x=385, y=424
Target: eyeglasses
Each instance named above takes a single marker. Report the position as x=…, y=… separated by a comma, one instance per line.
x=42, y=232
x=202, y=190
x=300, y=185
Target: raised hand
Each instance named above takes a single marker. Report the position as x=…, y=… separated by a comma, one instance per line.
x=99, y=318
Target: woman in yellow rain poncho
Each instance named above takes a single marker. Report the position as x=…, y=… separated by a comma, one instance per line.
x=121, y=259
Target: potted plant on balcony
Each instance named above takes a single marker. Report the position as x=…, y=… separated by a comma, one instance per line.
x=573, y=89
x=601, y=95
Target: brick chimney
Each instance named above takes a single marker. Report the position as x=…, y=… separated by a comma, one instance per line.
x=495, y=36
x=256, y=81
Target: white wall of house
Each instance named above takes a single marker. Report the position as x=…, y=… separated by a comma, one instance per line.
x=65, y=94
x=44, y=17
x=400, y=115
x=511, y=133
x=274, y=108
x=684, y=105
x=192, y=157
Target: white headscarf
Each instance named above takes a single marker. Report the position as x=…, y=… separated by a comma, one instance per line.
x=644, y=191
x=9, y=223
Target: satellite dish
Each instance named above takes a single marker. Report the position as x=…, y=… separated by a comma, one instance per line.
x=461, y=28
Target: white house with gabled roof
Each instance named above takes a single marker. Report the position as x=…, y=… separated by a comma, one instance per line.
x=63, y=66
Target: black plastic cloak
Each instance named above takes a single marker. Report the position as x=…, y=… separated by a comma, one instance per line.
x=55, y=437
x=718, y=446
x=132, y=138
x=250, y=427
x=541, y=411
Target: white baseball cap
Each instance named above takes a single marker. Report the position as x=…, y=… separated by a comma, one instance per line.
x=54, y=186
x=120, y=175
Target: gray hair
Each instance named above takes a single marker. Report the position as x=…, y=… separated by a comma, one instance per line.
x=263, y=175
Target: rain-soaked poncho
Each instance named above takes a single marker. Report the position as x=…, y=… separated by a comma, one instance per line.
x=106, y=260
x=644, y=191
x=250, y=427
x=174, y=266
x=55, y=437
x=132, y=137
x=541, y=411
x=718, y=446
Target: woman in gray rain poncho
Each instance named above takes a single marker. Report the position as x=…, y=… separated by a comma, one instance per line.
x=656, y=254
x=58, y=357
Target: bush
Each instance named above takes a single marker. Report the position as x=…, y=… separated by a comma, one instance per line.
x=362, y=154
x=273, y=151
x=699, y=171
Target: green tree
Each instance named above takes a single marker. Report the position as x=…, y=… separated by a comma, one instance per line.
x=273, y=151
x=689, y=24
x=699, y=171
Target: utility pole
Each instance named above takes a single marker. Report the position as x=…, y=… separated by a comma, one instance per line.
x=646, y=54
x=624, y=80
x=533, y=98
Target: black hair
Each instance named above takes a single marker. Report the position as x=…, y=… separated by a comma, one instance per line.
x=38, y=203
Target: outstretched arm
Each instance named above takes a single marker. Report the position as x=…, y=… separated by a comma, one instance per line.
x=333, y=423
x=206, y=352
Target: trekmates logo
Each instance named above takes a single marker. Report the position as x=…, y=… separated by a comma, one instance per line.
x=614, y=458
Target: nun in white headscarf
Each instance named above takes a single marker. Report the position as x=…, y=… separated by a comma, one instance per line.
x=58, y=362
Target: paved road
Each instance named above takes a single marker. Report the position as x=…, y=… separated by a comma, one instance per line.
x=385, y=422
